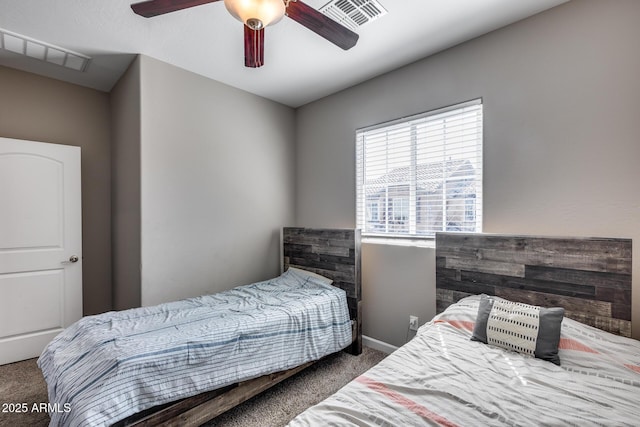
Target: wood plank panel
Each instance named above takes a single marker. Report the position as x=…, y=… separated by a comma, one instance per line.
x=513, y=269
x=528, y=284
x=590, y=254
x=589, y=277
x=548, y=299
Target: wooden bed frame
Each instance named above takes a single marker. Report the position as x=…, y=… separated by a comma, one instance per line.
x=333, y=253
x=589, y=277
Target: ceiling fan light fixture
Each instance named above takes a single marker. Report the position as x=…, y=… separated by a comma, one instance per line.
x=256, y=14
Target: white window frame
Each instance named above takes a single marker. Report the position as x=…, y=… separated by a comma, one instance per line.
x=412, y=146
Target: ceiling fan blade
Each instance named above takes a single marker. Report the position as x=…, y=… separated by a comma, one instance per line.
x=321, y=24
x=159, y=7
x=253, y=47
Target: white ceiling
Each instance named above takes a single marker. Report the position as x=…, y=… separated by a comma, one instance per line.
x=300, y=66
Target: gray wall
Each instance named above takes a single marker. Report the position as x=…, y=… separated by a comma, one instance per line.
x=125, y=191
x=41, y=109
x=217, y=183
x=217, y=165
x=560, y=93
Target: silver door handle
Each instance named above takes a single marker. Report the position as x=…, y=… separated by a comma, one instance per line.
x=72, y=259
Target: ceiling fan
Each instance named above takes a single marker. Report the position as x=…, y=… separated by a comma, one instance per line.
x=258, y=14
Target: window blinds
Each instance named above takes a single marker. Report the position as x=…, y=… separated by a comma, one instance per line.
x=422, y=174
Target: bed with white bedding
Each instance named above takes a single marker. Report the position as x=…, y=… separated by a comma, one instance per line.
x=441, y=377
x=108, y=366
x=535, y=358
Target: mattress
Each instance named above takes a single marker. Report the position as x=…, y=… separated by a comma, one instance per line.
x=107, y=367
x=441, y=377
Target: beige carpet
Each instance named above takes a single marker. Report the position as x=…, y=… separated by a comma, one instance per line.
x=22, y=382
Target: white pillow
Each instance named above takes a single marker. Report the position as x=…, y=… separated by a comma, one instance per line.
x=523, y=328
x=306, y=273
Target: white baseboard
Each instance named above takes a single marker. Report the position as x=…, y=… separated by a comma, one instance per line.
x=378, y=345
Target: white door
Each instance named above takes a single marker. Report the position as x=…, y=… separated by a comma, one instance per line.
x=40, y=245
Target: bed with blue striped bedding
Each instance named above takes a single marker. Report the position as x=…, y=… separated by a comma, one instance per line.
x=109, y=366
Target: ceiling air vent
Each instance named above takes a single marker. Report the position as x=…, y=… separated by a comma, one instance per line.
x=23, y=45
x=353, y=13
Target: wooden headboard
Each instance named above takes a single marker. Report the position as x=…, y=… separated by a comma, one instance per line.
x=589, y=277
x=333, y=253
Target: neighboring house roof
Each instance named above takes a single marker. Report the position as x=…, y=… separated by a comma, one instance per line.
x=429, y=176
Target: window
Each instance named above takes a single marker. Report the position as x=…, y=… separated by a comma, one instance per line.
x=422, y=174
x=400, y=209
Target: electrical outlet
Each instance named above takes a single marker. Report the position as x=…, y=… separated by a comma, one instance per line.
x=413, y=323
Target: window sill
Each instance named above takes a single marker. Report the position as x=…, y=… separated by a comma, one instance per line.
x=419, y=243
